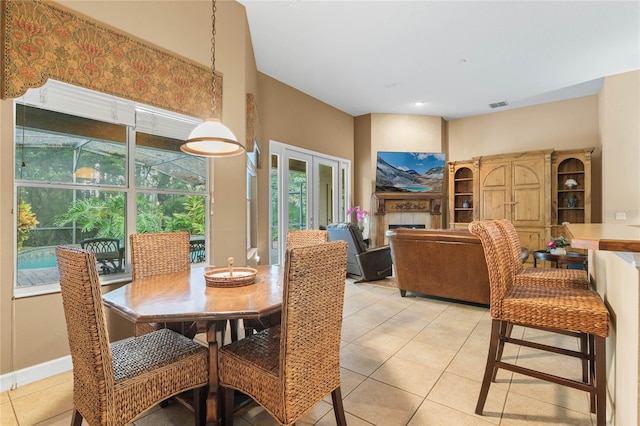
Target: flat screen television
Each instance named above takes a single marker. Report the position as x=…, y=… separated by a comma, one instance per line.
x=410, y=172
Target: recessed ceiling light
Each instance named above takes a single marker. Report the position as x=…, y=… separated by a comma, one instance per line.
x=419, y=103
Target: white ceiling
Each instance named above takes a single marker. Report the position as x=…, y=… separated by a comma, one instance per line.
x=367, y=56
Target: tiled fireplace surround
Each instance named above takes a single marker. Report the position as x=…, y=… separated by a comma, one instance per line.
x=404, y=209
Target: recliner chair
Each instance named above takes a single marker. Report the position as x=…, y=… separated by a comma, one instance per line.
x=368, y=265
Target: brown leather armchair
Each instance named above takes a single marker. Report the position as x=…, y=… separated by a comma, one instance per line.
x=369, y=265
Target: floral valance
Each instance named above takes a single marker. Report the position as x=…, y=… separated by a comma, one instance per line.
x=42, y=40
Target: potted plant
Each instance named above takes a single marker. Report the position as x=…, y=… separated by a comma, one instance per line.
x=558, y=246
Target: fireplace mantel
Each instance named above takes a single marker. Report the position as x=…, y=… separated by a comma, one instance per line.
x=401, y=202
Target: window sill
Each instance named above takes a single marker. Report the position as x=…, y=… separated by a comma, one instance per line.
x=41, y=290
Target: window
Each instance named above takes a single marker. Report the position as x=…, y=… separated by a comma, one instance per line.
x=79, y=178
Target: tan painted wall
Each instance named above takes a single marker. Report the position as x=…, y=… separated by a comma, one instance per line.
x=559, y=125
x=620, y=128
x=291, y=117
x=392, y=132
x=39, y=327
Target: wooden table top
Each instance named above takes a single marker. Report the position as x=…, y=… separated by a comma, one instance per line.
x=605, y=236
x=184, y=296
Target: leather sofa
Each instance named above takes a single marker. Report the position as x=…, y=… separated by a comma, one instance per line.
x=446, y=263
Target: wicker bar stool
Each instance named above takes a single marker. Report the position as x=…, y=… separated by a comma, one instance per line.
x=113, y=384
x=568, y=278
x=290, y=367
x=160, y=253
x=553, y=309
x=547, y=277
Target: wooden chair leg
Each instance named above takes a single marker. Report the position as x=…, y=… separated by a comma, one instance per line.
x=76, y=418
x=200, y=405
x=496, y=326
x=600, y=380
x=584, y=348
x=592, y=370
x=338, y=409
x=505, y=331
x=228, y=405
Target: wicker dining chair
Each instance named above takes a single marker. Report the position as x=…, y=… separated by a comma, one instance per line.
x=113, y=384
x=306, y=237
x=569, y=278
x=555, y=309
x=159, y=253
x=295, y=238
x=290, y=367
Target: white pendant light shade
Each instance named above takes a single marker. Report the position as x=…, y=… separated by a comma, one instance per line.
x=212, y=139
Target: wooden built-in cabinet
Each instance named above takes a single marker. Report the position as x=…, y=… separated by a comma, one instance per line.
x=462, y=194
x=571, y=203
x=527, y=188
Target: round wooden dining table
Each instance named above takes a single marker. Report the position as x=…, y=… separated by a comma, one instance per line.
x=185, y=297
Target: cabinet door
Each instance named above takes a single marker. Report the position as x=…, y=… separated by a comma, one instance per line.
x=495, y=181
x=532, y=239
x=528, y=201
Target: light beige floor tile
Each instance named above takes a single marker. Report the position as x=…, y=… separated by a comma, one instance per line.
x=432, y=413
x=382, y=342
x=173, y=414
x=329, y=419
x=50, y=402
x=550, y=393
x=23, y=390
x=257, y=416
x=427, y=354
x=460, y=311
x=413, y=319
x=7, y=416
x=407, y=375
x=472, y=367
x=349, y=380
x=4, y=397
x=362, y=360
x=560, y=365
x=521, y=410
x=381, y=311
x=452, y=325
x=312, y=416
x=398, y=328
x=462, y=394
x=352, y=331
x=479, y=346
x=450, y=339
x=63, y=419
x=382, y=404
x=364, y=318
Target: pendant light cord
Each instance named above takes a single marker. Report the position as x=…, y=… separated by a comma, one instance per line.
x=213, y=58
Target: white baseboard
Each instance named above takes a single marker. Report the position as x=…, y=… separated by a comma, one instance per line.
x=35, y=373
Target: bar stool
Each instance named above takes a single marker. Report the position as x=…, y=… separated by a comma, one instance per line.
x=567, y=278
x=571, y=311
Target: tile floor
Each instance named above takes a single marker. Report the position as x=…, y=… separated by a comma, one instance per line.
x=405, y=361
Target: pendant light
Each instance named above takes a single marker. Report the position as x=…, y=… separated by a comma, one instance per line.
x=212, y=138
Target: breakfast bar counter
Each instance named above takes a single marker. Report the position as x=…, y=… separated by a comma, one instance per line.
x=614, y=271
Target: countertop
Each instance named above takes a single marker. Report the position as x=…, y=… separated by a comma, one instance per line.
x=605, y=236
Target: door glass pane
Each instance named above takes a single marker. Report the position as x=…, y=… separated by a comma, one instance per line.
x=298, y=170
x=325, y=195
x=275, y=214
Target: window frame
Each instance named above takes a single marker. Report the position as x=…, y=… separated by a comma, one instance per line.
x=61, y=97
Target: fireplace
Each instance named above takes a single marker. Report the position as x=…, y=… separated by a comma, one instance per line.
x=408, y=210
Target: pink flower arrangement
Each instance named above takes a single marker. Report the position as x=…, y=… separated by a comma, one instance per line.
x=559, y=242
x=360, y=214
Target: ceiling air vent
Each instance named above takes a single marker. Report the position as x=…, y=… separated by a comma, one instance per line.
x=499, y=104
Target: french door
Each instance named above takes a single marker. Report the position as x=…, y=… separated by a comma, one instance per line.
x=308, y=191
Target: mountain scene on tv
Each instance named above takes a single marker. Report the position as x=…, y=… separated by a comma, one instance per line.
x=409, y=172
